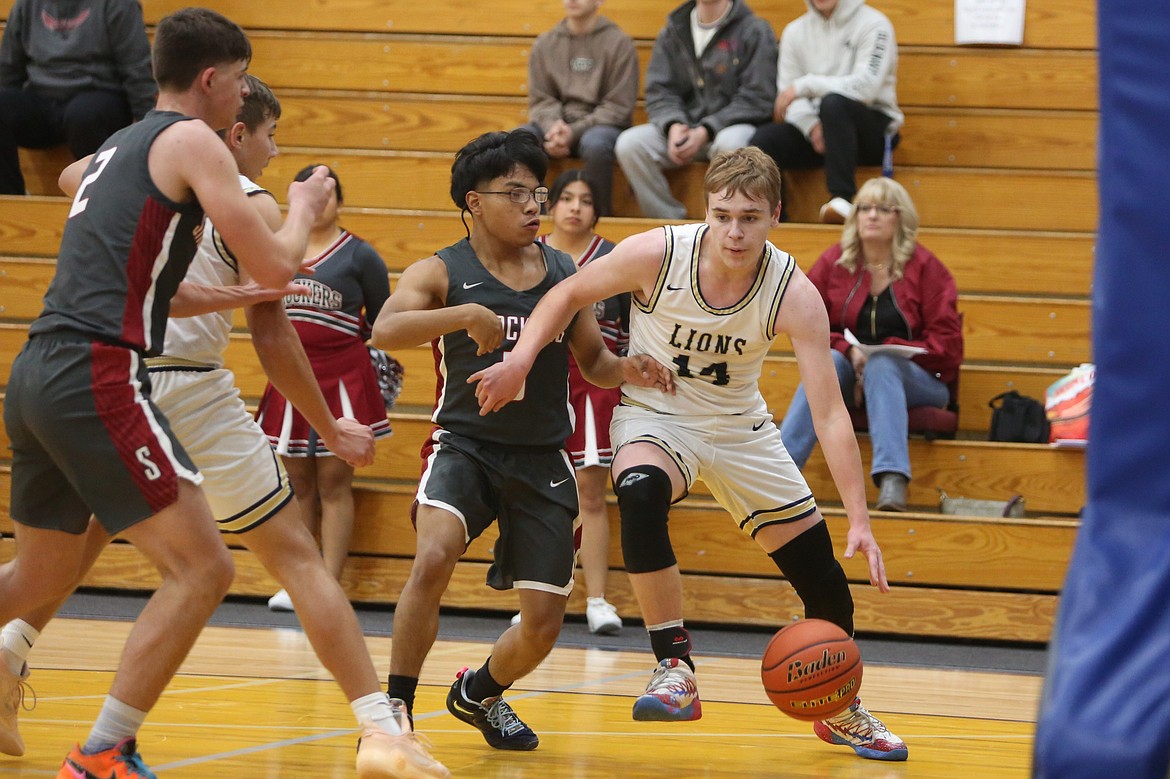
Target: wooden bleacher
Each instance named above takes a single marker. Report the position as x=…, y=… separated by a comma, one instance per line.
x=998, y=153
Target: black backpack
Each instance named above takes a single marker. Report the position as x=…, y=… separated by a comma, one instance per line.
x=1018, y=418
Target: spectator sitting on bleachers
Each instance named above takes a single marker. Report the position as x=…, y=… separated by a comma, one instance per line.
x=582, y=85
x=886, y=288
x=836, y=105
x=71, y=72
x=709, y=83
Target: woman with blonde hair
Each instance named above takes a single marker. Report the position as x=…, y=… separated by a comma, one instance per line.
x=884, y=287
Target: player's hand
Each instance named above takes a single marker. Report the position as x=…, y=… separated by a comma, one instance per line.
x=313, y=192
x=351, y=441
x=499, y=384
x=862, y=540
x=485, y=328
x=642, y=370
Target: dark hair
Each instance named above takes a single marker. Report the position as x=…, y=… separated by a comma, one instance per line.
x=565, y=179
x=492, y=155
x=193, y=39
x=260, y=104
x=307, y=171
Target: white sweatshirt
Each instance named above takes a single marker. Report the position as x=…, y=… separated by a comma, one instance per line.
x=852, y=53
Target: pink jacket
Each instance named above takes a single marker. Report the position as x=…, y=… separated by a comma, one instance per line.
x=926, y=297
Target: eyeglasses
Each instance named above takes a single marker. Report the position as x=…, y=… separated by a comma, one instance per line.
x=884, y=210
x=519, y=194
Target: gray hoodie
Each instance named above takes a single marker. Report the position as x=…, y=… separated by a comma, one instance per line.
x=61, y=47
x=732, y=83
x=852, y=53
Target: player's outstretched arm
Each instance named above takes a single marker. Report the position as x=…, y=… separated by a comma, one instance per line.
x=193, y=299
x=632, y=266
x=603, y=368
x=417, y=313
x=802, y=316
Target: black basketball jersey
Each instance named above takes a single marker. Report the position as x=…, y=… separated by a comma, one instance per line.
x=541, y=418
x=125, y=248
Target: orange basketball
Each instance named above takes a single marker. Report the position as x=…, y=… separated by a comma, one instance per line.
x=811, y=670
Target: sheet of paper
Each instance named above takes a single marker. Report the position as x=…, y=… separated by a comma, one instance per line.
x=989, y=21
x=869, y=349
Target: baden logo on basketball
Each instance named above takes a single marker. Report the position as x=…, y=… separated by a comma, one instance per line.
x=826, y=663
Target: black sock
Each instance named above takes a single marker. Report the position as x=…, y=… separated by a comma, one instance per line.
x=402, y=687
x=673, y=641
x=482, y=686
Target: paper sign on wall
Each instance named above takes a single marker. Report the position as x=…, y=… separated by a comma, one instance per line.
x=989, y=21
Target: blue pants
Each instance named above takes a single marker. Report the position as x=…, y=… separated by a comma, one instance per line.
x=892, y=385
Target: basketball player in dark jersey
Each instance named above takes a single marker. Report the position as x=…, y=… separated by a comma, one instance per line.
x=85, y=436
x=471, y=301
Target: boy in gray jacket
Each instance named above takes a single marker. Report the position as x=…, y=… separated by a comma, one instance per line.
x=836, y=103
x=582, y=84
x=709, y=83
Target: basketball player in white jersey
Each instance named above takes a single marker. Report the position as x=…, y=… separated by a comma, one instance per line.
x=245, y=482
x=709, y=299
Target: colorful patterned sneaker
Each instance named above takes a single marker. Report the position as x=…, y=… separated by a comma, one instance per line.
x=13, y=690
x=494, y=717
x=120, y=762
x=672, y=694
x=857, y=728
x=383, y=756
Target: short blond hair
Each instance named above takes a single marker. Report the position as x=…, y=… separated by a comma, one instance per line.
x=748, y=171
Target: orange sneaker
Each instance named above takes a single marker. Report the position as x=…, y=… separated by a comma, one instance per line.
x=383, y=756
x=13, y=691
x=120, y=762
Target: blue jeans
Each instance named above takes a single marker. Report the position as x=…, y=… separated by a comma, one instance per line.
x=892, y=385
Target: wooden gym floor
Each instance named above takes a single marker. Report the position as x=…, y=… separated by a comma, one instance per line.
x=255, y=703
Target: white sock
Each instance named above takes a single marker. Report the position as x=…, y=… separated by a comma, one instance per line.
x=116, y=723
x=18, y=638
x=374, y=709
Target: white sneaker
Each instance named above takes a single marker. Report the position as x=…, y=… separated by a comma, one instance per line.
x=836, y=211
x=281, y=602
x=12, y=699
x=382, y=756
x=602, y=616
x=862, y=732
x=515, y=619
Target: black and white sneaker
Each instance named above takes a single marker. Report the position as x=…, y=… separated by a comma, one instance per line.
x=501, y=727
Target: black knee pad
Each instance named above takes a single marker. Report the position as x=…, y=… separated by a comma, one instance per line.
x=807, y=562
x=643, y=494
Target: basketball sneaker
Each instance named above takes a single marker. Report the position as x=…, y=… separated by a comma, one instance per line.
x=12, y=699
x=383, y=756
x=501, y=727
x=602, y=616
x=864, y=733
x=671, y=696
x=119, y=762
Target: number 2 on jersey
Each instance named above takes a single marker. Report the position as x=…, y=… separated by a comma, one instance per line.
x=100, y=161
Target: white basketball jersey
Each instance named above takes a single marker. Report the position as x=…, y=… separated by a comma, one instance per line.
x=203, y=339
x=717, y=353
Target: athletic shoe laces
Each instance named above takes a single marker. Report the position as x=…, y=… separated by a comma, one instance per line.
x=675, y=680
x=860, y=723
x=501, y=717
